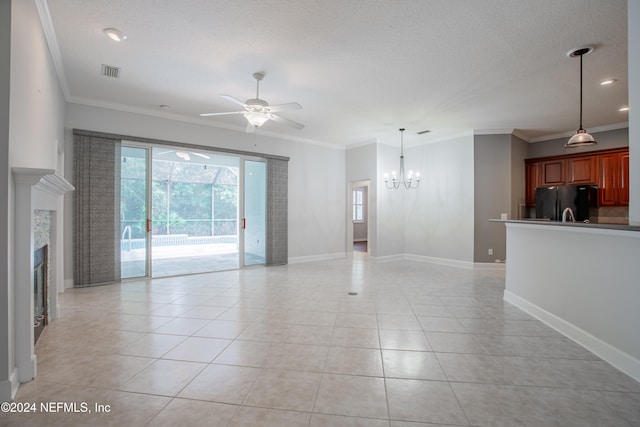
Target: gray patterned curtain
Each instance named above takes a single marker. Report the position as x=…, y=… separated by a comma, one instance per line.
x=97, y=210
x=277, y=208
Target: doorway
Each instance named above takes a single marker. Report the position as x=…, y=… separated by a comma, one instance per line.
x=359, y=236
x=181, y=211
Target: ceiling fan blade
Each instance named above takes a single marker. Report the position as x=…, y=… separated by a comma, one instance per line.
x=221, y=114
x=287, y=106
x=250, y=128
x=233, y=99
x=277, y=118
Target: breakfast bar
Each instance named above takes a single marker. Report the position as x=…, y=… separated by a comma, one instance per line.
x=581, y=279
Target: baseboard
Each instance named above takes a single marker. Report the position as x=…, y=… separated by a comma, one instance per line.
x=312, y=258
x=9, y=387
x=614, y=356
x=386, y=258
x=441, y=261
x=68, y=283
x=489, y=265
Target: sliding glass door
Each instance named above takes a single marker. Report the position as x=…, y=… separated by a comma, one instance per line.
x=134, y=208
x=254, y=218
x=180, y=212
x=195, y=212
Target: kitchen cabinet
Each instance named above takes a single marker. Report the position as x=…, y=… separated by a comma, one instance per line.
x=582, y=170
x=554, y=172
x=623, y=193
x=532, y=181
x=613, y=186
x=608, y=169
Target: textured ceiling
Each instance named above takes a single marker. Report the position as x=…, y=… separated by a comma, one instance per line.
x=361, y=69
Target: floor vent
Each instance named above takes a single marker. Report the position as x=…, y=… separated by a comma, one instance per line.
x=110, y=71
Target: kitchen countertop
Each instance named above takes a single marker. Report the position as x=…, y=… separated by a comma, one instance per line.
x=592, y=225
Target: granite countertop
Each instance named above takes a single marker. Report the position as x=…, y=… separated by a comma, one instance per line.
x=545, y=222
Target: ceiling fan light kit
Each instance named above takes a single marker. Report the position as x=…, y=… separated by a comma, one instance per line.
x=581, y=138
x=256, y=118
x=258, y=111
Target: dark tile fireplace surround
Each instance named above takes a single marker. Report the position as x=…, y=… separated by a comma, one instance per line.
x=41, y=243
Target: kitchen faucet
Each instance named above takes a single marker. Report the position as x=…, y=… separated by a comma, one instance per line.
x=568, y=211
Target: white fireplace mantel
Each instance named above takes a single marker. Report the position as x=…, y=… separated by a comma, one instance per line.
x=35, y=189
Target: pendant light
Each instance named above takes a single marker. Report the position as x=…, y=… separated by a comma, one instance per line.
x=581, y=138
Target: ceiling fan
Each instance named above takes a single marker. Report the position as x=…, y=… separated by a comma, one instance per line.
x=258, y=111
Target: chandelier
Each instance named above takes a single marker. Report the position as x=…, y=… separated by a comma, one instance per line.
x=409, y=182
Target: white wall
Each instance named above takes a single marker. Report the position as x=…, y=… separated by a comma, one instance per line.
x=316, y=173
x=439, y=215
x=591, y=296
x=6, y=293
x=633, y=50
x=390, y=209
x=316, y=202
x=37, y=103
x=36, y=118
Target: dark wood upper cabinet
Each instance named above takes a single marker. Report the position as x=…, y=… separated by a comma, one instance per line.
x=607, y=186
x=608, y=169
x=583, y=170
x=553, y=172
x=613, y=187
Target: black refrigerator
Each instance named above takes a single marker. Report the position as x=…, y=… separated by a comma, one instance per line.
x=582, y=199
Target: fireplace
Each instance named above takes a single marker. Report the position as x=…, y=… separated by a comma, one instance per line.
x=40, y=291
x=38, y=275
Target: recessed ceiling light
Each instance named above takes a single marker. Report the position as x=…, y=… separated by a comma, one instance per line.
x=115, y=34
x=608, y=82
x=624, y=109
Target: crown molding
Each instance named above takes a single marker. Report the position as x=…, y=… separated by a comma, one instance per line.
x=507, y=131
x=568, y=134
x=52, y=42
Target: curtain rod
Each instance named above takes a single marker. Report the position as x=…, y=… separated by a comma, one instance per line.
x=116, y=137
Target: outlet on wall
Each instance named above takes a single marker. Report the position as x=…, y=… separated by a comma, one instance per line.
x=489, y=251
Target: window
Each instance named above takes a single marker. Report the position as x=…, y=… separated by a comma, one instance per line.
x=357, y=205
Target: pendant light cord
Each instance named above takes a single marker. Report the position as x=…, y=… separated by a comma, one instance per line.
x=581, y=90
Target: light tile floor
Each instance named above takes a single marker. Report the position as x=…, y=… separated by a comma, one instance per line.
x=420, y=344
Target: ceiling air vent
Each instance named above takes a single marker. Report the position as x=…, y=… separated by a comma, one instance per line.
x=110, y=71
